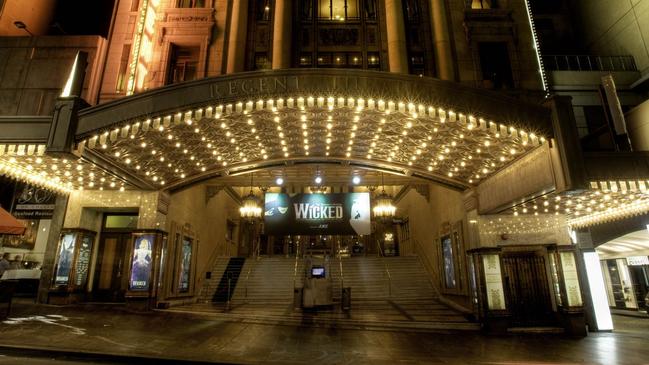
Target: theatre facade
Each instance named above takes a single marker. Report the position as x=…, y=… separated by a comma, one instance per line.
x=197, y=152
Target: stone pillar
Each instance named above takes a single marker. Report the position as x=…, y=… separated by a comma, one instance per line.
x=47, y=268
x=397, y=51
x=237, y=38
x=442, y=41
x=282, y=35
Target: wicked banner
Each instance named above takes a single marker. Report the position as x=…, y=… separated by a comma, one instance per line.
x=314, y=214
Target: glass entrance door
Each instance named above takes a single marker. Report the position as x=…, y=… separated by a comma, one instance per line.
x=111, y=269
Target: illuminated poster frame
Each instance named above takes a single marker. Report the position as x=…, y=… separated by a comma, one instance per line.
x=141, y=262
x=185, y=269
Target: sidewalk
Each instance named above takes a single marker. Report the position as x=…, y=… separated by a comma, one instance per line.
x=112, y=330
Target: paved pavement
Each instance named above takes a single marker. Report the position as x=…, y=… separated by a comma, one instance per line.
x=75, y=333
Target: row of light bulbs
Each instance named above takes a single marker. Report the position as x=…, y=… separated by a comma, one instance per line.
x=301, y=103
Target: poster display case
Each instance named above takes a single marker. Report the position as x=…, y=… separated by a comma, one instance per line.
x=146, y=263
x=73, y=256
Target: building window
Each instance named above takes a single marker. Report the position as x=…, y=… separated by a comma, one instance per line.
x=337, y=9
x=370, y=9
x=122, y=75
x=417, y=64
x=183, y=64
x=305, y=60
x=261, y=61
x=373, y=60
x=484, y=4
x=496, y=66
x=412, y=11
x=263, y=10
x=191, y=3
x=135, y=5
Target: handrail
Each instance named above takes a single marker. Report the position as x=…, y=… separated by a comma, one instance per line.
x=385, y=265
x=589, y=63
x=340, y=263
x=255, y=257
x=426, y=264
x=297, y=255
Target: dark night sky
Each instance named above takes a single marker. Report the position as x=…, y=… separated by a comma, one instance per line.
x=82, y=17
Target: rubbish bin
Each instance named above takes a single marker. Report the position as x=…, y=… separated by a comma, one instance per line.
x=297, y=298
x=346, y=298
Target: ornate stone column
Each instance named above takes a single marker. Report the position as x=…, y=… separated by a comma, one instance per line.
x=282, y=35
x=397, y=51
x=442, y=41
x=237, y=38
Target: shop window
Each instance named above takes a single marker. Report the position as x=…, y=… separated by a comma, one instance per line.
x=337, y=9
x=135, y=5
x=122, y=75
x=183, y=64
x=191, y=3
x=263, y=10
x=496, y=66
x=261, y=61
x=484, y=4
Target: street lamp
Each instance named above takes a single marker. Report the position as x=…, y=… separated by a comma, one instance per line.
x=20, y=25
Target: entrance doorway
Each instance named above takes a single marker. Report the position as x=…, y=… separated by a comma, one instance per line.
x=526, y=285
x=111, y=270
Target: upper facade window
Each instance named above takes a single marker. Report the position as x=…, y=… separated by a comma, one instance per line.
x=191, y=3
x=338, y=9
x=484, y=4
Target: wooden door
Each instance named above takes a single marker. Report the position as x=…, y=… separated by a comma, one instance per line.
x=527, y=288
x=112, y=268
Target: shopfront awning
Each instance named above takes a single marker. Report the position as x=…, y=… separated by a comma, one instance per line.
x=9, y=224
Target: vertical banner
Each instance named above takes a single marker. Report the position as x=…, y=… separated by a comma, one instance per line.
x=66, y=257
x=570, y=279
x=494, y=282
x=141, y=263
x=315, y=214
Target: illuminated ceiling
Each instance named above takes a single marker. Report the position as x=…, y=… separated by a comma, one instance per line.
x=172, y=150
x=635, y=243
x=605, y=201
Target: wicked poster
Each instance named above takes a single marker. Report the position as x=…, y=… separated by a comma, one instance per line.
x=316, y=214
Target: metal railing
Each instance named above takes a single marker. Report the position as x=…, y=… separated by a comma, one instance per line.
x=589, y=63
x=340, y=263
x=426, y=262
x=385, y=265
x=297, y=257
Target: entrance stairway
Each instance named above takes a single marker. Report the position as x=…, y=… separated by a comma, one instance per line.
x=387, y=293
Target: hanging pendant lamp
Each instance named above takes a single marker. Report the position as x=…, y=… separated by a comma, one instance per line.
x=384, y=207
x=250, y=208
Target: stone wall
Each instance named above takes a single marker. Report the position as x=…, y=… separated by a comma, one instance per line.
x=616, y=28
x=33, y=71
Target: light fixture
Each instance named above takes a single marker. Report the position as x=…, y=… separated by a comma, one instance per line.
x=279, y=180
x=356, y=180
x=318, y=177
x=384, y=208
x=250, y=208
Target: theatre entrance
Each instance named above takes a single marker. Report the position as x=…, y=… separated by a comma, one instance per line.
x=110, y=278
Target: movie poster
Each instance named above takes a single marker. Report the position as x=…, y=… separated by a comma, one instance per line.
x=449, y=265
x=66, y=256
x=142, y=263
x=185, y=265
